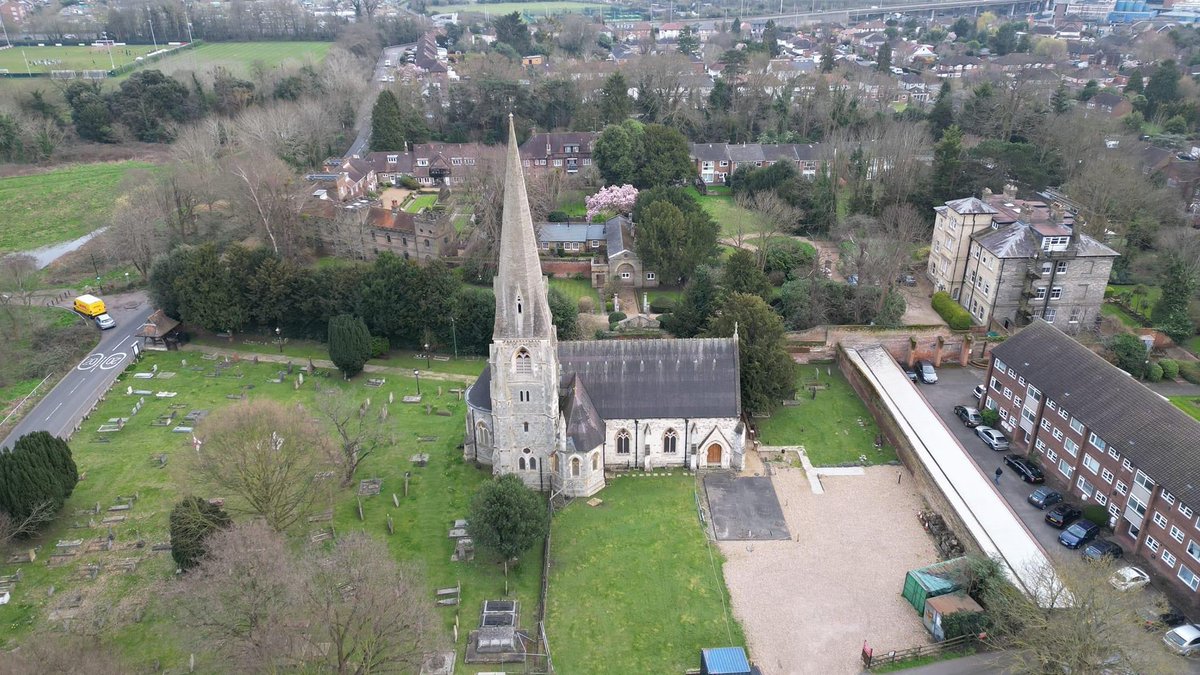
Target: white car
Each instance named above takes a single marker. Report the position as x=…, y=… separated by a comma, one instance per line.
x=1184, y=640
x=1129, y=578
x=104, y=322
x=979, y=389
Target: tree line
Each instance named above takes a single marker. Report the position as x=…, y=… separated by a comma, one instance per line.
x=410, y=305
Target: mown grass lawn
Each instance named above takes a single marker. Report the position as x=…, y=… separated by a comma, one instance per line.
x=576, y=289
x=635, y=585
x=421, y=202
x=68, y=57
x=835, y=428
x=1188, y=404
x=438, y=493
x=238, y=57
x=1116, y=312
x=57, y=206
x=732, y=218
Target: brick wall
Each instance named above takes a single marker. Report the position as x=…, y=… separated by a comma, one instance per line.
x=566, y=268
x=896, y=341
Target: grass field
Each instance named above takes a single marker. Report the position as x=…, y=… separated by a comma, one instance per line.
x=729, y=215
x=835, y=428
x=576, y=289
x=1118, y=313
x=57, y=206
x=438, y=493
x=1188, y=404
x=46, y=59
x=420, y=203
x=635, y=585
x=239, y=56
x=498, y=8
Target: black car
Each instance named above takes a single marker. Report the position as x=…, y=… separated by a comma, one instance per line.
x=1079, y=533
x=926, y=372
x=1062, y=515
x=1101, y=549
x=1158, y=617
x=1027, y=470
x=912, y=374
x=1044, y=498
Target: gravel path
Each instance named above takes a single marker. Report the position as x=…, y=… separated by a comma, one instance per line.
x=807, y=605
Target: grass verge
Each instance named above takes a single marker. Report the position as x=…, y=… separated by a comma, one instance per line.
x=835, y=427
x=1188, y=404
x=635, y=585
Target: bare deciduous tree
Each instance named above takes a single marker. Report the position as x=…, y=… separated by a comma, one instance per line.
x=47, y=652
x=777, y=217
x=12, y=529
x=269, y=456
x=360, y=430
x=1079, y=623
x=270, y=192
x=366, y=613
x=135, y=230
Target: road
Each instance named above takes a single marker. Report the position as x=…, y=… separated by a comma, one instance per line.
x=63, y=408
x=393, y=54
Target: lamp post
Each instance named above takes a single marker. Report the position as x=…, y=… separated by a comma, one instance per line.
x=428, y=365
x=127, y=280
x=454, y=336
x=417, y=374
x=279, y=339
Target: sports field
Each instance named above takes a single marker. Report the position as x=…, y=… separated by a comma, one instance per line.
x=46, y=59
x=498, y=8
x=239, y=56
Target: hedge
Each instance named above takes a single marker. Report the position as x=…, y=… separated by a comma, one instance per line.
x=1170, y=368
x=662, y=304
x=1190, y=371
x=953, y=313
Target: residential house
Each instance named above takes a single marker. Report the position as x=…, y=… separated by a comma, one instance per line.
x=715, y=161
x=346, y=179
x=1108, y=103
x=609, y=245
x=670, y=31
x=13, y=12
x=956, y=66
x=1106, y=440
x=363, y=232
x=954, y=223
x=567, y=151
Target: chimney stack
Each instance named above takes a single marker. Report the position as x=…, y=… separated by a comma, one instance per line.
x=1010, y=191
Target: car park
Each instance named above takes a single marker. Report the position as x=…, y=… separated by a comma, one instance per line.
x=968, y=415
x=993, y=438
x=909, y=373
x=1062, y=515
x=1101, y=549
x=926, y=372
x=1184, y=639
x=1027, y=470
x=1079, y=533
x=1129, y=578
x=1044, y=498
x=979, y=389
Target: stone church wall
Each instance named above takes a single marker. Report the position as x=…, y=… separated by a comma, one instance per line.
x=732, y=444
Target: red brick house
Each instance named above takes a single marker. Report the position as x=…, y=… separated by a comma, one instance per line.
x=1105, y=439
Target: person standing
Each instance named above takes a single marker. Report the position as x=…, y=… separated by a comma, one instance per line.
x=999, y=472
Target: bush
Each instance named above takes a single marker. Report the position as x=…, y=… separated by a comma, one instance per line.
x=349, y=343
x=1097, y=514
x=1190, y=371
x=616, y=317
x=558, y=217
x=953, y=313
x=1154, y=373
x=380, y=347
x=586, y=305
x=191, y=522
x=410, y=183
x=662, y=304
x=990, y=417
x=1170, y=368
x=959, y=624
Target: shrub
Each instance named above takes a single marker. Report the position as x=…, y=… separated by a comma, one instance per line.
x=959, y=624
x=191, y=521
x=349, y=343
x=990, y=417
x=586, y=305
x=379, y=347
x=1154, y=373
x=1190, y=371
x=662, y=304
x=558, y=217
x=616, y=317
x=410, y=183
x=1097, y=514
x=953, y=313
x=1170, y=368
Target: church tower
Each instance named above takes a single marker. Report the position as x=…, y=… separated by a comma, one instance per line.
x=524, y=350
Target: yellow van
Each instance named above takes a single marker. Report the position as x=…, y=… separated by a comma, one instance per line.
x=90, y=306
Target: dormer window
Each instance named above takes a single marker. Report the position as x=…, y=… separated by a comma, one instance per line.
x=392, y=159
x=1055, y=243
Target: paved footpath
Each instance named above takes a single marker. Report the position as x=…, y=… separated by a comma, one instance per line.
x=326, y=363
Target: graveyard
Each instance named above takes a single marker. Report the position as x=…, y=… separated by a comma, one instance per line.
x=100, y=565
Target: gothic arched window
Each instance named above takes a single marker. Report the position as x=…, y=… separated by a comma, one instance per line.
x=523, y=362
x=521, y=463
x=623, y=442
x=595, y=461
x=575, y=467
x=483, y=436
x=670, y=441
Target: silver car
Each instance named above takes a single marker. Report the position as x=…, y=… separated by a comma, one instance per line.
x=993, y=438
x=104, y=322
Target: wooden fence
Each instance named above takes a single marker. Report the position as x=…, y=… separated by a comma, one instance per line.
x=871, y=660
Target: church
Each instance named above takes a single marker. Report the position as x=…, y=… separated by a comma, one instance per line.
x=558, y=414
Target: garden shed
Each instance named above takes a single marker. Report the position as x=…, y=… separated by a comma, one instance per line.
x=937, y=579
x=944, y=605
x=724, y=661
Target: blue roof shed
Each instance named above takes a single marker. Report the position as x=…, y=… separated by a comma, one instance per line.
x=724, y=661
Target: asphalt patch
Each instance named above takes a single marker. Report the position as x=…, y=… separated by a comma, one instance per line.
x=744, y=509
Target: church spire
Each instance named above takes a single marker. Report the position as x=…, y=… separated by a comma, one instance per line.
x=521, y=307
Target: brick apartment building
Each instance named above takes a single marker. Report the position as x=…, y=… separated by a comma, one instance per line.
x=1009, y=260
x=714, y=162
x=1106, y=439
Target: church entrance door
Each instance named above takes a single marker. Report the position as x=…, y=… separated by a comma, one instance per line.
x=714, y=454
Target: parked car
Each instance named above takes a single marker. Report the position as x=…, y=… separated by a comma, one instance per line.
x=1079, y=533
x=1159, y=616
x=926, y=372
x=1062, y=515
x=1184, y=639
x=1102, y=548
x=993, y=438
x=1129, y=578
x=104, y=322
x=906, y=280
x=909, y=372
x=1027, y=470
x=1044, y=498
x=968, y=415
x=979, y=389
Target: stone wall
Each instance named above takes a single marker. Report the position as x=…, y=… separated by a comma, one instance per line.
x=890, y=430
x=906, y=344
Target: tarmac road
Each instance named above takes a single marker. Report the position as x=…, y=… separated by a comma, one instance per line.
x=65, y=406
x=393, y=53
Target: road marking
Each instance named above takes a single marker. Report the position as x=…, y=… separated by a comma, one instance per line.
x=53, y=411
x=91, y=361
x=113, y=361
x=75, y=387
